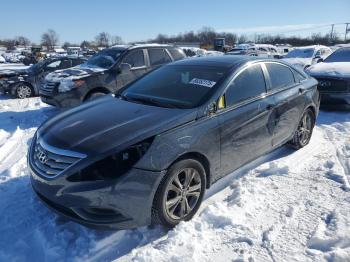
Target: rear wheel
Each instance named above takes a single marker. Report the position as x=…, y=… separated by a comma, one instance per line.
x=180, y=193
x=23, y=90
x=303, y=133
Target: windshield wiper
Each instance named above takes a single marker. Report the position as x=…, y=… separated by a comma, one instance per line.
x=148, y=101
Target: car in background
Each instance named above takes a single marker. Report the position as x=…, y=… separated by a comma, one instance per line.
x=24, y=83
x=303, y=57
x=2, y=59
x=260, y=50
x=333, y=77
x=148, y=154
x=242, y=51
x=104, y=73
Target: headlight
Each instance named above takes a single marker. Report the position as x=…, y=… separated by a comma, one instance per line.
x=113, y=166
x=68, y=84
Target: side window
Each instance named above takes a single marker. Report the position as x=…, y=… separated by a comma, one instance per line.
x=54, y=64
x=158, y=56
x=66, y=63
x=76, y=62
x=248, y=84
x=280, y=75
x=298, y=76
x=135, y=58
x=177, y=54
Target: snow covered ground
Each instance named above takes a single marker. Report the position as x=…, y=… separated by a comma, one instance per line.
x=286, y=206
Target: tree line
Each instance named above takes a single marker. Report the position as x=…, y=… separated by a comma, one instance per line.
x=205, y=37
x=50, y=40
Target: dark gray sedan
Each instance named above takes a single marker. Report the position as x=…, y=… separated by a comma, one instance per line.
x=148, y=154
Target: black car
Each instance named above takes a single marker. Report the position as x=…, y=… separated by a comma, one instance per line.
x=333, y=77
x=106, y=72
x=148, y=154
x=25, y=82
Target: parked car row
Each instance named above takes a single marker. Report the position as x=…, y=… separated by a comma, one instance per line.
x=149, y=153
x=26, y=82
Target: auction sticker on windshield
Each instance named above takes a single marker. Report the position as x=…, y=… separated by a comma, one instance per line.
x=202, y=82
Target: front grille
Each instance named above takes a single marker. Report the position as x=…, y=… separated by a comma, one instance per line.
x=48, y=86
x=50, y=161
x=330, y=85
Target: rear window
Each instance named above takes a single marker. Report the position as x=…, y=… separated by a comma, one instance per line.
x=176, y=53
x=280, y=75
x=158, y=56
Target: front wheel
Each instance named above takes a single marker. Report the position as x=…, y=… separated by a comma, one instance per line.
x=303, y=133
x=94, y=95
x=23, y=90
x=180, y=193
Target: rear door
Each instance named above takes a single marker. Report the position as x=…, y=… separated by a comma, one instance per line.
x=289, y=101
x=245, y=119
x=136, y=59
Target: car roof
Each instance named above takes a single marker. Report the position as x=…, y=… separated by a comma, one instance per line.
x=227, y=61
x=133, y=46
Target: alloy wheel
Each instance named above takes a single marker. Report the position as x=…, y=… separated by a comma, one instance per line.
x=182, y=193
x=305, y=129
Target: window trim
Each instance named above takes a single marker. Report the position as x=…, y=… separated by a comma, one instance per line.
x=270, y=90
x=248, y=100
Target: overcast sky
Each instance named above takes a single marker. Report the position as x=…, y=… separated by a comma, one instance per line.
x=137, y=20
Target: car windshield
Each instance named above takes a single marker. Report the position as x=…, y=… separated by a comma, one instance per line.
x=37, y=66
x=341, y=55
x=301, y=53
x=105, y=58
x=175, y=86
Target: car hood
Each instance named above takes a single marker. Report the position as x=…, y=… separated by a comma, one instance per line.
x=109, y=124
x=76, y=72
x=13, y=72
x=337, y=69
x=302, y=62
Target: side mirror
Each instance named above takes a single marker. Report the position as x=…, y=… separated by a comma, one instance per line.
x=212, y=108
x=124, y=67
x=319, y=60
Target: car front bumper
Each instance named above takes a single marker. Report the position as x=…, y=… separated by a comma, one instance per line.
x=66, y=100
x=335, y=100
x=121, y=203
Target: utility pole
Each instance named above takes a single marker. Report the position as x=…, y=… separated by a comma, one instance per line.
x=332, y=33
x=347, y=29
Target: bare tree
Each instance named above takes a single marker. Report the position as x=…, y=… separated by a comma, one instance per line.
x=85, y=44
x=242, y=39
x=103, y=39
x=116, y=40
x=49, y=39
x=22, y=40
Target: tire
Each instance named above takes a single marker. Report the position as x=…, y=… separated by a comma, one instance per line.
x=94, y=95
x=171, y=204
x=304, y=130
x=23, y=90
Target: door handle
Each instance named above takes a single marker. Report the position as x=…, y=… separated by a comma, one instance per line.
x=301, y=90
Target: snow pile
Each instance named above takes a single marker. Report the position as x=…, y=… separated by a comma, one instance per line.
x=286, y=206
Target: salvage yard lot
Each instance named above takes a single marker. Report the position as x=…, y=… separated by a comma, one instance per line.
x=288, y=205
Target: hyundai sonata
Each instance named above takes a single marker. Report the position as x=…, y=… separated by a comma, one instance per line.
x=147, y=154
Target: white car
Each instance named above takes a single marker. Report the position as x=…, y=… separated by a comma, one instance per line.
x=306, y=56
